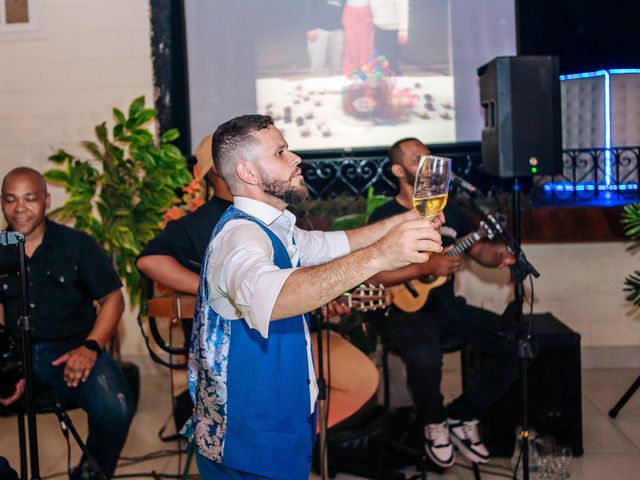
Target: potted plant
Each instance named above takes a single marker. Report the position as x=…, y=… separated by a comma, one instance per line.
x=119, y=194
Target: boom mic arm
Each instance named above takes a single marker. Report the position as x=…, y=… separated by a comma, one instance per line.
x=462, y=183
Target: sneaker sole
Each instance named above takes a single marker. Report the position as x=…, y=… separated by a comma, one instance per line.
x=439, y=462
x=466, y=451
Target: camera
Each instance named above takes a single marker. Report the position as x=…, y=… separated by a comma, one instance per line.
x=10, y=363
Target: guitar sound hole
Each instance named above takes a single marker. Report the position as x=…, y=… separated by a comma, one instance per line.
x=428, y=278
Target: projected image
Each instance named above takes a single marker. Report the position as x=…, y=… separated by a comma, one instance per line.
x=357, y=73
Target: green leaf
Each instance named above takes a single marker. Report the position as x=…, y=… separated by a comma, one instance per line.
x=170, y=135
x=136, y=107
x=143, y=117
x=101, y=132
x=119, y=116
x=118, y=131
x=57, y=176
x=173, y=152
x=60, y=156
x=143, y=136
x=348, y=222
x=93, y=148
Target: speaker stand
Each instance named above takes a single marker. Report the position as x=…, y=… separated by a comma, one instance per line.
x=613, y=413
x=519, y=272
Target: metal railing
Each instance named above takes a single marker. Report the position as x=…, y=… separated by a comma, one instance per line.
x=589, y=175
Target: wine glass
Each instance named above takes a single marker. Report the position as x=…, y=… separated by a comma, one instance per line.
x=562, y=456
x=431, y=187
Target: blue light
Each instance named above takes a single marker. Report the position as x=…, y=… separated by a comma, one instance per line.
x=608, y=167
x=574, y=76
x=607, y=128
x=581, y=187
x=623, y=71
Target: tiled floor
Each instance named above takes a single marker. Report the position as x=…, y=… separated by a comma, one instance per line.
x=612, y=447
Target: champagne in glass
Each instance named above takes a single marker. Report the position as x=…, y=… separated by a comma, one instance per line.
x=431, y=187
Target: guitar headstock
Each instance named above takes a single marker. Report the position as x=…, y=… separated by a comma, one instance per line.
x=497, y=223
x=367, y=298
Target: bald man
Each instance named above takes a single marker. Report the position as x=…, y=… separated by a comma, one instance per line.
x=67, y=273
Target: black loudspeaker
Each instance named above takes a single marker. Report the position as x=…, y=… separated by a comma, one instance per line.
x=555, y=392
x=522, y=133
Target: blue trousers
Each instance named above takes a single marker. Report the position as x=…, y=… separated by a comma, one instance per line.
x=105, y=397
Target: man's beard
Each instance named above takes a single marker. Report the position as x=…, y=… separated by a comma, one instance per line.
x=283, y=190
x=411, y=178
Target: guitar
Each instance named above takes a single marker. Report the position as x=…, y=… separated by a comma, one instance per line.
x=411, y=296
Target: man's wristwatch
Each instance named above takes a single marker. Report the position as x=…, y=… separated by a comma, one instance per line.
x=92, y=345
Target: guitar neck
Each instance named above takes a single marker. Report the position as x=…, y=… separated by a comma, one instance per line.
x=463, y=245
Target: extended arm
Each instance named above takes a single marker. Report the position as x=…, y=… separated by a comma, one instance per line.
x=167, y=271
x=492, y=255
x=310, y=287
x=369, y=234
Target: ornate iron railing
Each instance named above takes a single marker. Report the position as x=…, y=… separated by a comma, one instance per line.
x=329, y=174
x=589, y=175
x=594, y=174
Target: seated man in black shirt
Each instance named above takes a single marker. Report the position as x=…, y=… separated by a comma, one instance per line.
x=173, y=258
x=445, y=320
x=67, y=272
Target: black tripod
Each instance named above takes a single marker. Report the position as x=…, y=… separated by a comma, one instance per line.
x=613, y=413
x=519, y=272
x=24, y=323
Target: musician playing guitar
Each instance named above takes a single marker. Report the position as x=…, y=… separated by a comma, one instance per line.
x=445, y=320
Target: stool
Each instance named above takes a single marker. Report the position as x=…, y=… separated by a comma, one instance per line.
x=48, y=401
x=422, y=462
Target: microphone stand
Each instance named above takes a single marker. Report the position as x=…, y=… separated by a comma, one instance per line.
x=24, y=323
x=519, y=272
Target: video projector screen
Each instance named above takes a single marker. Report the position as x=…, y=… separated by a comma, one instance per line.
x=341, y=74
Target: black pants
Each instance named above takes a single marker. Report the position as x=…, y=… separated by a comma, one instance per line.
x=422, y=338
x=386, y=43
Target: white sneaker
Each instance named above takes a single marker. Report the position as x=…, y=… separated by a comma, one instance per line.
x=465, y=436
x=438, y=445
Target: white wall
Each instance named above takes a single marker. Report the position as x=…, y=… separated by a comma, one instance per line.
x=96, y=55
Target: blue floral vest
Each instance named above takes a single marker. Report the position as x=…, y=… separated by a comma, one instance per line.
x=251, y=394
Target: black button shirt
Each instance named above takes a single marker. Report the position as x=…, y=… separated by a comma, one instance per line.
x=187, y=238
x=66, y=273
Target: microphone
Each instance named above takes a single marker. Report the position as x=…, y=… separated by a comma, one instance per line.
x=10, y=238
x=465, y=185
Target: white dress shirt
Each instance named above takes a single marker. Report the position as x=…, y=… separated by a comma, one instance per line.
x=243, y=280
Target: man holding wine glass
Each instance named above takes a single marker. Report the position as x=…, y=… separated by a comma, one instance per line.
x=445, y=320
x=250, y=362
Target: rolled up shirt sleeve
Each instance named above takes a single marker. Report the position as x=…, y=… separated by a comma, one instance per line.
x=243, y=280
x=316, y=247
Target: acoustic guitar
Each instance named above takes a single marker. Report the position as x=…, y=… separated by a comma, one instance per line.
x=413, y=295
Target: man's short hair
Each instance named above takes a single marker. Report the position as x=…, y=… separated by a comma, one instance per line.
x=395, y=151
x=232, y=139
x=26, y=171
